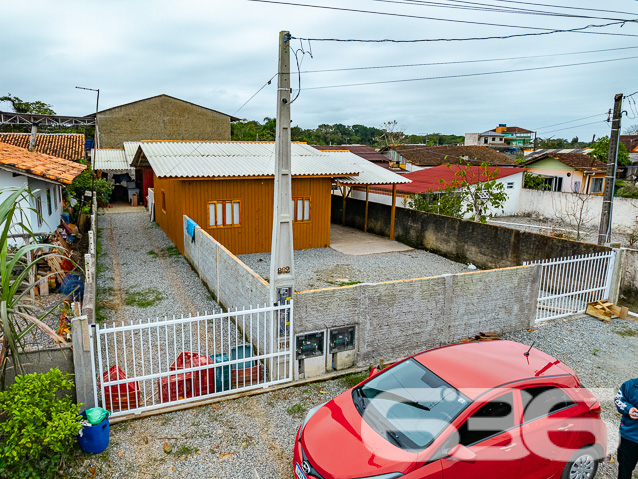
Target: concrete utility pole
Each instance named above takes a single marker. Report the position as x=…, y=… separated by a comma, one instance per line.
x=604, y=231
x=282, y=271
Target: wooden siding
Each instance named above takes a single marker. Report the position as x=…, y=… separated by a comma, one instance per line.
x=254, y=233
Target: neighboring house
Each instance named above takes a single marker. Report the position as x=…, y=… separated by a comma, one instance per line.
x=531, y=154
x=161, y=117
x=45, y=175
x=114, y=165
x=227, y=189
x=502, y=136
x=428, y=181
x=569, y=172
x=364, y=151
x=70, y=146
x=487, y=138
x=631, y=143
x=418, y=157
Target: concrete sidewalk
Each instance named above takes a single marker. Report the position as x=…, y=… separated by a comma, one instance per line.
x=354, y=242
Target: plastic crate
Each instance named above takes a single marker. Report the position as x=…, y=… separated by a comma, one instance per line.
x=201, y=382
x=174, y=388
x=222, y=373
x=119, y=397
x=246, y=373
x=241, y=352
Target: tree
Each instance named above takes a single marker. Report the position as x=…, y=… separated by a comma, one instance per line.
x=447, y=202
x=534, y=182
x=392, y=133
x=601, y=151
x=35, y=107
x=573, y=210
x=631, y=130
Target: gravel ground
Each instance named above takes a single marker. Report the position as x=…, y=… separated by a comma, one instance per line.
x=324, y=267
x=589, y=233
x=252, y=437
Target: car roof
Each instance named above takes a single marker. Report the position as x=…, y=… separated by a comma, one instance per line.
x=478, y=366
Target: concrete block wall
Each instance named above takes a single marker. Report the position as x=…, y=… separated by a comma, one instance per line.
x=628, y=295
x=398, y=318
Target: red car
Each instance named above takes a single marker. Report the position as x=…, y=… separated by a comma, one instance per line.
x=489, y=409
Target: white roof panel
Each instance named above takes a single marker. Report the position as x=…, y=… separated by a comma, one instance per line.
x=109, y=160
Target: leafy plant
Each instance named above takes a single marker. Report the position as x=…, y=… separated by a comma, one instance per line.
x=628, y=190
x=19, y=314
x=85, y=182
x=143, y=298
x=446, y=202
x=534, y=182
x=37, y=429
x=601, y=151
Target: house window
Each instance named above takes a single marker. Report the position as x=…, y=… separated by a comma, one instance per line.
x=510, y=186
x=55, y=198
x=163, y=201
x=493, y=139
x=224, y=213
x=38, y=209
x=49, y=202
x=301, y=209
x=596, y=185
x=485, y=140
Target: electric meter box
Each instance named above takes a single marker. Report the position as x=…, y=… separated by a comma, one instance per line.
x=310, y=345
x=341, y=339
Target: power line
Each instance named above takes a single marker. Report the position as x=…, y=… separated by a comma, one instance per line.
x=546, y=30
x=565, y=7
x=409, y=65
x=255, y=94
x=470, y=74
x=576, y=126
x=571, y=121
x=481, y=7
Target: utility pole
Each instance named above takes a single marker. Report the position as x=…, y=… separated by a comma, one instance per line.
x=604, y=230
x=282, y=272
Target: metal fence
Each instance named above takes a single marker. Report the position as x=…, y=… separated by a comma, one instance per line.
x=154, y=364
x=568, y=284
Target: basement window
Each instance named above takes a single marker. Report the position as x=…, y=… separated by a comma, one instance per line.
x=224, y=213
x=301, y=209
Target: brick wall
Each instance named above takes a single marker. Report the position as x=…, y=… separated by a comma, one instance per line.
x=398, y=318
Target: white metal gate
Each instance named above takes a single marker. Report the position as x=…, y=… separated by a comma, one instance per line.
x=146, y=365
x=568, y=284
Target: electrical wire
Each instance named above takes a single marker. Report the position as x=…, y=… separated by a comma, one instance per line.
x=473, y=6
x=564, y=7
x=255, y=94
x=464, y=75
x=575, y=126
x=410, y=65
x=571, y=121
x=469, y=22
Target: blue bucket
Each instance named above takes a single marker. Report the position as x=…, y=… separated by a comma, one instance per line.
x=94, y=439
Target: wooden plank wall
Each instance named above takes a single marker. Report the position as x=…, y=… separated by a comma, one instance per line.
x=254, y=234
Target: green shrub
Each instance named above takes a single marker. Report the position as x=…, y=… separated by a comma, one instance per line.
x=37, y=429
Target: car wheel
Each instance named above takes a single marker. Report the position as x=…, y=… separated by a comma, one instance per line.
x=583, y=465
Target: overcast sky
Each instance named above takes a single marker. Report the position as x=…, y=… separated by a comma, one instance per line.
x=218, y=53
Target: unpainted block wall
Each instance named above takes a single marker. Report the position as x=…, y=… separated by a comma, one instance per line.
x=485, y=245
x=398, y=318
x=234, y=283
x=629, y=279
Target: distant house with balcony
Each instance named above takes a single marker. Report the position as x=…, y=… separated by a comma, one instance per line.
x=502, y=137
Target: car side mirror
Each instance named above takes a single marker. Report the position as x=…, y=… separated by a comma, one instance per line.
x=462, y=453
x=373, y=371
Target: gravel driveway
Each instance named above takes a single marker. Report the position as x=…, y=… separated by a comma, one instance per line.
x=252, y=437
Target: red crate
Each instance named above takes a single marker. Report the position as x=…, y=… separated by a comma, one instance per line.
x=119, y=397
x=174, y=388
x=202, y=381
x=251, y=375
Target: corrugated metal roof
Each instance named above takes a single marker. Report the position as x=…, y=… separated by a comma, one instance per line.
x=109, y=160
x=130, y=148
x=243, y=159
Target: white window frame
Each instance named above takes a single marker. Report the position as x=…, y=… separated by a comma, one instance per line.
x=595, y=181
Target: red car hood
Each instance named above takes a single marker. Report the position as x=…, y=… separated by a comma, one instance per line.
x=341, y=445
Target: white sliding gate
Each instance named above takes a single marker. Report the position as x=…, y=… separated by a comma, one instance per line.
x=154, y=364
x=568, y=284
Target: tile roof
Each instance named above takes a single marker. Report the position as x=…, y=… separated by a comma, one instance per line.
x=515, y=129
x=39, y=164
x=69, y=146
x=427, y=180
x=578, y=161
x=227, y=159
x=630, y=142
x=423, y=155
x=364, y=151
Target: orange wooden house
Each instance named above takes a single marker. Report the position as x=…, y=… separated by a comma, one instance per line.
x=227, y=189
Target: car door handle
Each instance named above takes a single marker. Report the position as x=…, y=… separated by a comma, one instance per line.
x=508, y=447
x=565, y=427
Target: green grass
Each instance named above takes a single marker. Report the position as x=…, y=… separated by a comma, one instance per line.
x=185, y=450
x=172, y=251
x=344, y=283
x=296, y=410
x=151, y=253
x=626, y=332
x=351, y=380
x=143, y=298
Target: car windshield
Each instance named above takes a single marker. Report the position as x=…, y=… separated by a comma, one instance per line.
x=408, y=404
